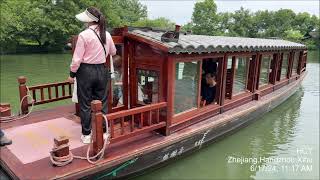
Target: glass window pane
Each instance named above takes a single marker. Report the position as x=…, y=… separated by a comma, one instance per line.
x=284, y=67
x=240, y=77
x=295, y=63
x=186, y=86
x=228, y=81
x=208, y=91
x=264, y=71
x=148, y=86
x=229, y=63
x=116, y=82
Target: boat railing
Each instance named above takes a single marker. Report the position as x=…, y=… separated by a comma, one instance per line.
x=127, y=123
x=122, y=124
x=42, y=94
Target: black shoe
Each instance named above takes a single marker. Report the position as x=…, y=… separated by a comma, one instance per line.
x=5, y=141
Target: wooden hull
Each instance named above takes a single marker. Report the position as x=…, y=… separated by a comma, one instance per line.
x=133, y=158
x=198, y=135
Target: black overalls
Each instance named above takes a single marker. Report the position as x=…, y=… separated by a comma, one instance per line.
x=92, y=81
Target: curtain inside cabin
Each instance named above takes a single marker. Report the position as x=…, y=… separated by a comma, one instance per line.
x=186, y=86
x=284, y=67
x=265, y=70
x=241, y=74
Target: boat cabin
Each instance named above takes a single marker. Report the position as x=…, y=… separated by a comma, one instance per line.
x=165, y=81
x=173, y=67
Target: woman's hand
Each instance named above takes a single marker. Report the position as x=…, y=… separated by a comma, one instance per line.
x=70, y=79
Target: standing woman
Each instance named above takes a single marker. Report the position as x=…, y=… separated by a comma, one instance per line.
x=88, y=65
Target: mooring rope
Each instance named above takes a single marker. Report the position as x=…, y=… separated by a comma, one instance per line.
x=64, y=160
x=19, y=116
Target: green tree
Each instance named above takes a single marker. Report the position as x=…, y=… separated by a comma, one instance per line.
x=205, y=19
x=120, y=12
x=49, y=23
x=225, y=23
x=187, y=27
x=241, y=23
x=293, y=35
x=161, y=23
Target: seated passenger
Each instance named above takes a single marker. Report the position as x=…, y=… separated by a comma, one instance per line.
x=208, y=91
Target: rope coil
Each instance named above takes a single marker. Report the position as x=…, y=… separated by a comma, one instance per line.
x=17, y=117
x=64, y=160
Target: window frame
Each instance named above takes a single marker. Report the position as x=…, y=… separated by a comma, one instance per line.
x=219, y=78
x=199, y=85
x=288, y=64
x=124, y=82
x=214, y=108
x=247, y=74
x=146, y=68
x=294, y=61
x=259, y=72
x=233, y=71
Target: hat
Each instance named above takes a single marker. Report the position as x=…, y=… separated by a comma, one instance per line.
x=86, y=16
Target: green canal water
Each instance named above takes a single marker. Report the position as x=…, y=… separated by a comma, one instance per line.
x=283, y=144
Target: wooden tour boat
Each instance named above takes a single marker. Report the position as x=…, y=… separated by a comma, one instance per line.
x=160, y=115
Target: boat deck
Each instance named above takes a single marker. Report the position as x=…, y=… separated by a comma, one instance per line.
x=33, y=140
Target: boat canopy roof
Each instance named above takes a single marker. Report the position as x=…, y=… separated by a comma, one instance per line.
x=189, y=43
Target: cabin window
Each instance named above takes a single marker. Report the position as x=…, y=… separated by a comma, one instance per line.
x=209, y=83
x=241, y=75
x=186, y=86
x=265, y=70
x=116, y=82
x=284, y=67
x=295, y=63
x=148, y=86
x=229, y=78
x=237, y=75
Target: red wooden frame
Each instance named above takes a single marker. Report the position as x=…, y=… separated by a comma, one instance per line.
x=288, y=63
x=120, y=41
x=183, y=115
x=234, y=61
x=155, y=63
x=258, y=86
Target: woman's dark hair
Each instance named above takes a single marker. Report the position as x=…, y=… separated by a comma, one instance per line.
x=101, y=23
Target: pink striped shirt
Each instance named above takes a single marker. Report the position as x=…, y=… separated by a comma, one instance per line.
x=89, y=49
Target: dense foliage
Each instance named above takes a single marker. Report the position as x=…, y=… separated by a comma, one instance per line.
x=47, y=24
x=284, y=23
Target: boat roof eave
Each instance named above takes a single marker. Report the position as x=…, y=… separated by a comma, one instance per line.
x=160, y=46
